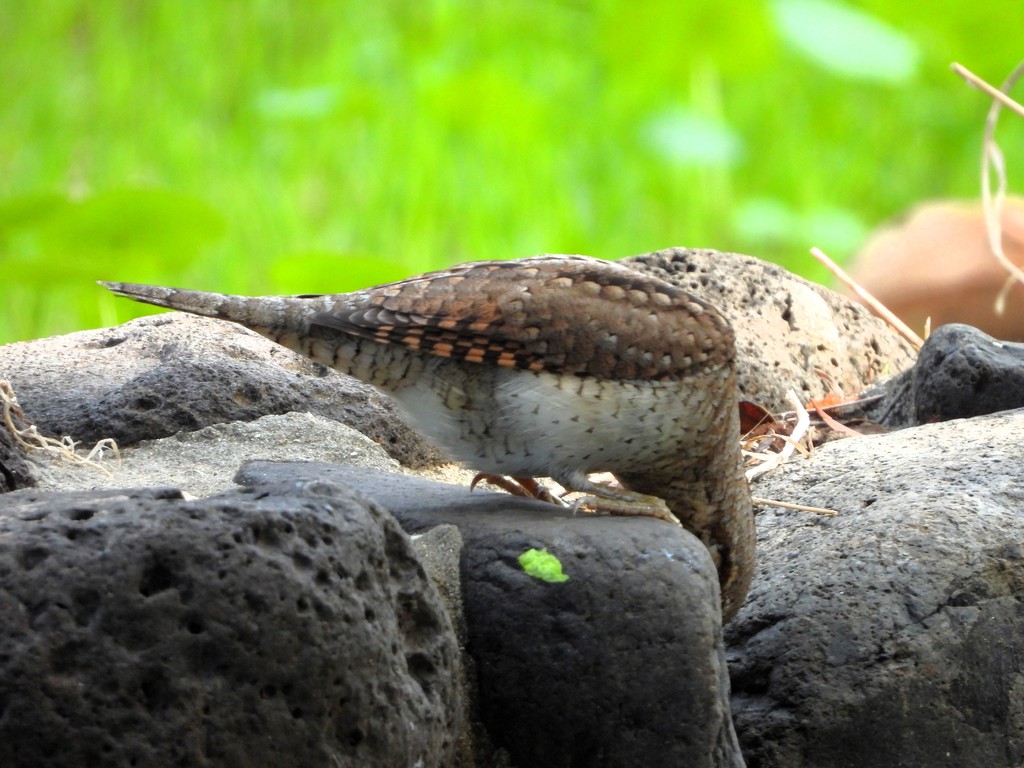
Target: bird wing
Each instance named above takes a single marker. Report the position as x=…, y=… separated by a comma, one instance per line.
x=550, y=313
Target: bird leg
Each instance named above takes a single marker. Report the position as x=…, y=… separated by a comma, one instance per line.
x=614, y=499
x=525, y=487
x=618, y=501
x=599, y=497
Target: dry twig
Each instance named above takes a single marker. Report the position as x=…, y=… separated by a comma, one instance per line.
x=772, y=460
x=982, y=85
x=878, y=307
x=993, y=163
x=836, y=425
x=801, y=507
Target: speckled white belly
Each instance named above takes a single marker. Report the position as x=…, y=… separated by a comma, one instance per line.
x=514, y=422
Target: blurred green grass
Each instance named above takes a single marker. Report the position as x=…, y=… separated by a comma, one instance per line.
x=262, y=147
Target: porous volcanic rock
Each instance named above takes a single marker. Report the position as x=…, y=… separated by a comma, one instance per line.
x=890, y=635
x=960, y=372
x=14, y=470
x=787, y=328
x=275, y=626
x=622, y=664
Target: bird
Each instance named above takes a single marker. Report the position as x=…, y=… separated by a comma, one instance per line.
x=555, y=366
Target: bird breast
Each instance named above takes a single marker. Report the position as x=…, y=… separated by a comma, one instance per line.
x=524, y=423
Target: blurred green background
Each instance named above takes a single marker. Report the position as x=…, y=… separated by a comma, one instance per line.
x=318, y=146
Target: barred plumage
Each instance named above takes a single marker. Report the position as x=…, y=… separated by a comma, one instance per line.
x=549, y=366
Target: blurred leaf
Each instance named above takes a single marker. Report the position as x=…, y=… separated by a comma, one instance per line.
x=687, y=139
x=129, y=221
x=299, y=103
x=847, y=41
x=331, y=272
x=542, y=565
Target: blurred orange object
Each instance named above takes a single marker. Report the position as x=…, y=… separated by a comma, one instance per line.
x=936, y=263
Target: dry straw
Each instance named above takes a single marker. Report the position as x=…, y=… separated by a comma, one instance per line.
x=64, y=449
x=994, y=163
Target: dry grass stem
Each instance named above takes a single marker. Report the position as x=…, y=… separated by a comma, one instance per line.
x=834, y=406
x=800, y=507
x=29, y=438
x=878, y=307
x=982, y=85
x=994, y=164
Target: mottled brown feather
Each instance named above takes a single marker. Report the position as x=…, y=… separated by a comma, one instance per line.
x=516, y=315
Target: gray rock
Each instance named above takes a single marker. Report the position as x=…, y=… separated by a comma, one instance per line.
x=892, y=634
x=14, y=469
x=787, y=328
x=960, y=372
x=158, y=375
x=205, y=461
x=963, y=372
x=620, y=659
x=620, y=665
x=440, y=551
x=278, y=626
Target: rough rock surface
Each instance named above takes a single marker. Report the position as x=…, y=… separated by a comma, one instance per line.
x=205, y=461
x=960, y=372
x=276, y=626
x=893, y=633
x=158, y=375
x=440, y=551
x=613, y=641
x=620, y=665
x=786, y=327
x=14, y=469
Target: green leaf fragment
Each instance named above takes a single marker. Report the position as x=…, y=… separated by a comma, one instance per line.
x=542, y=565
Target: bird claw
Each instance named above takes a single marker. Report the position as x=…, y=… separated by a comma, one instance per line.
x=598, y=498
x=627, y=503
x=524, y=487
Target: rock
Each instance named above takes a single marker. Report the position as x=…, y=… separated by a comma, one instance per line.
x=620, y=665
x=891, y=634
x=620, y=659
x=277, y=626
x=935, y=263
x=786, y=328
x=440, y=550
x=14, y=469
x=960, y=372
x=963, y=372
x=205, y=461
x=158, y=375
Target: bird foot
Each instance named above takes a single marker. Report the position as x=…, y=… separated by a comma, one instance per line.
x=599, y=497
x=525, y=487
x=616, y=501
